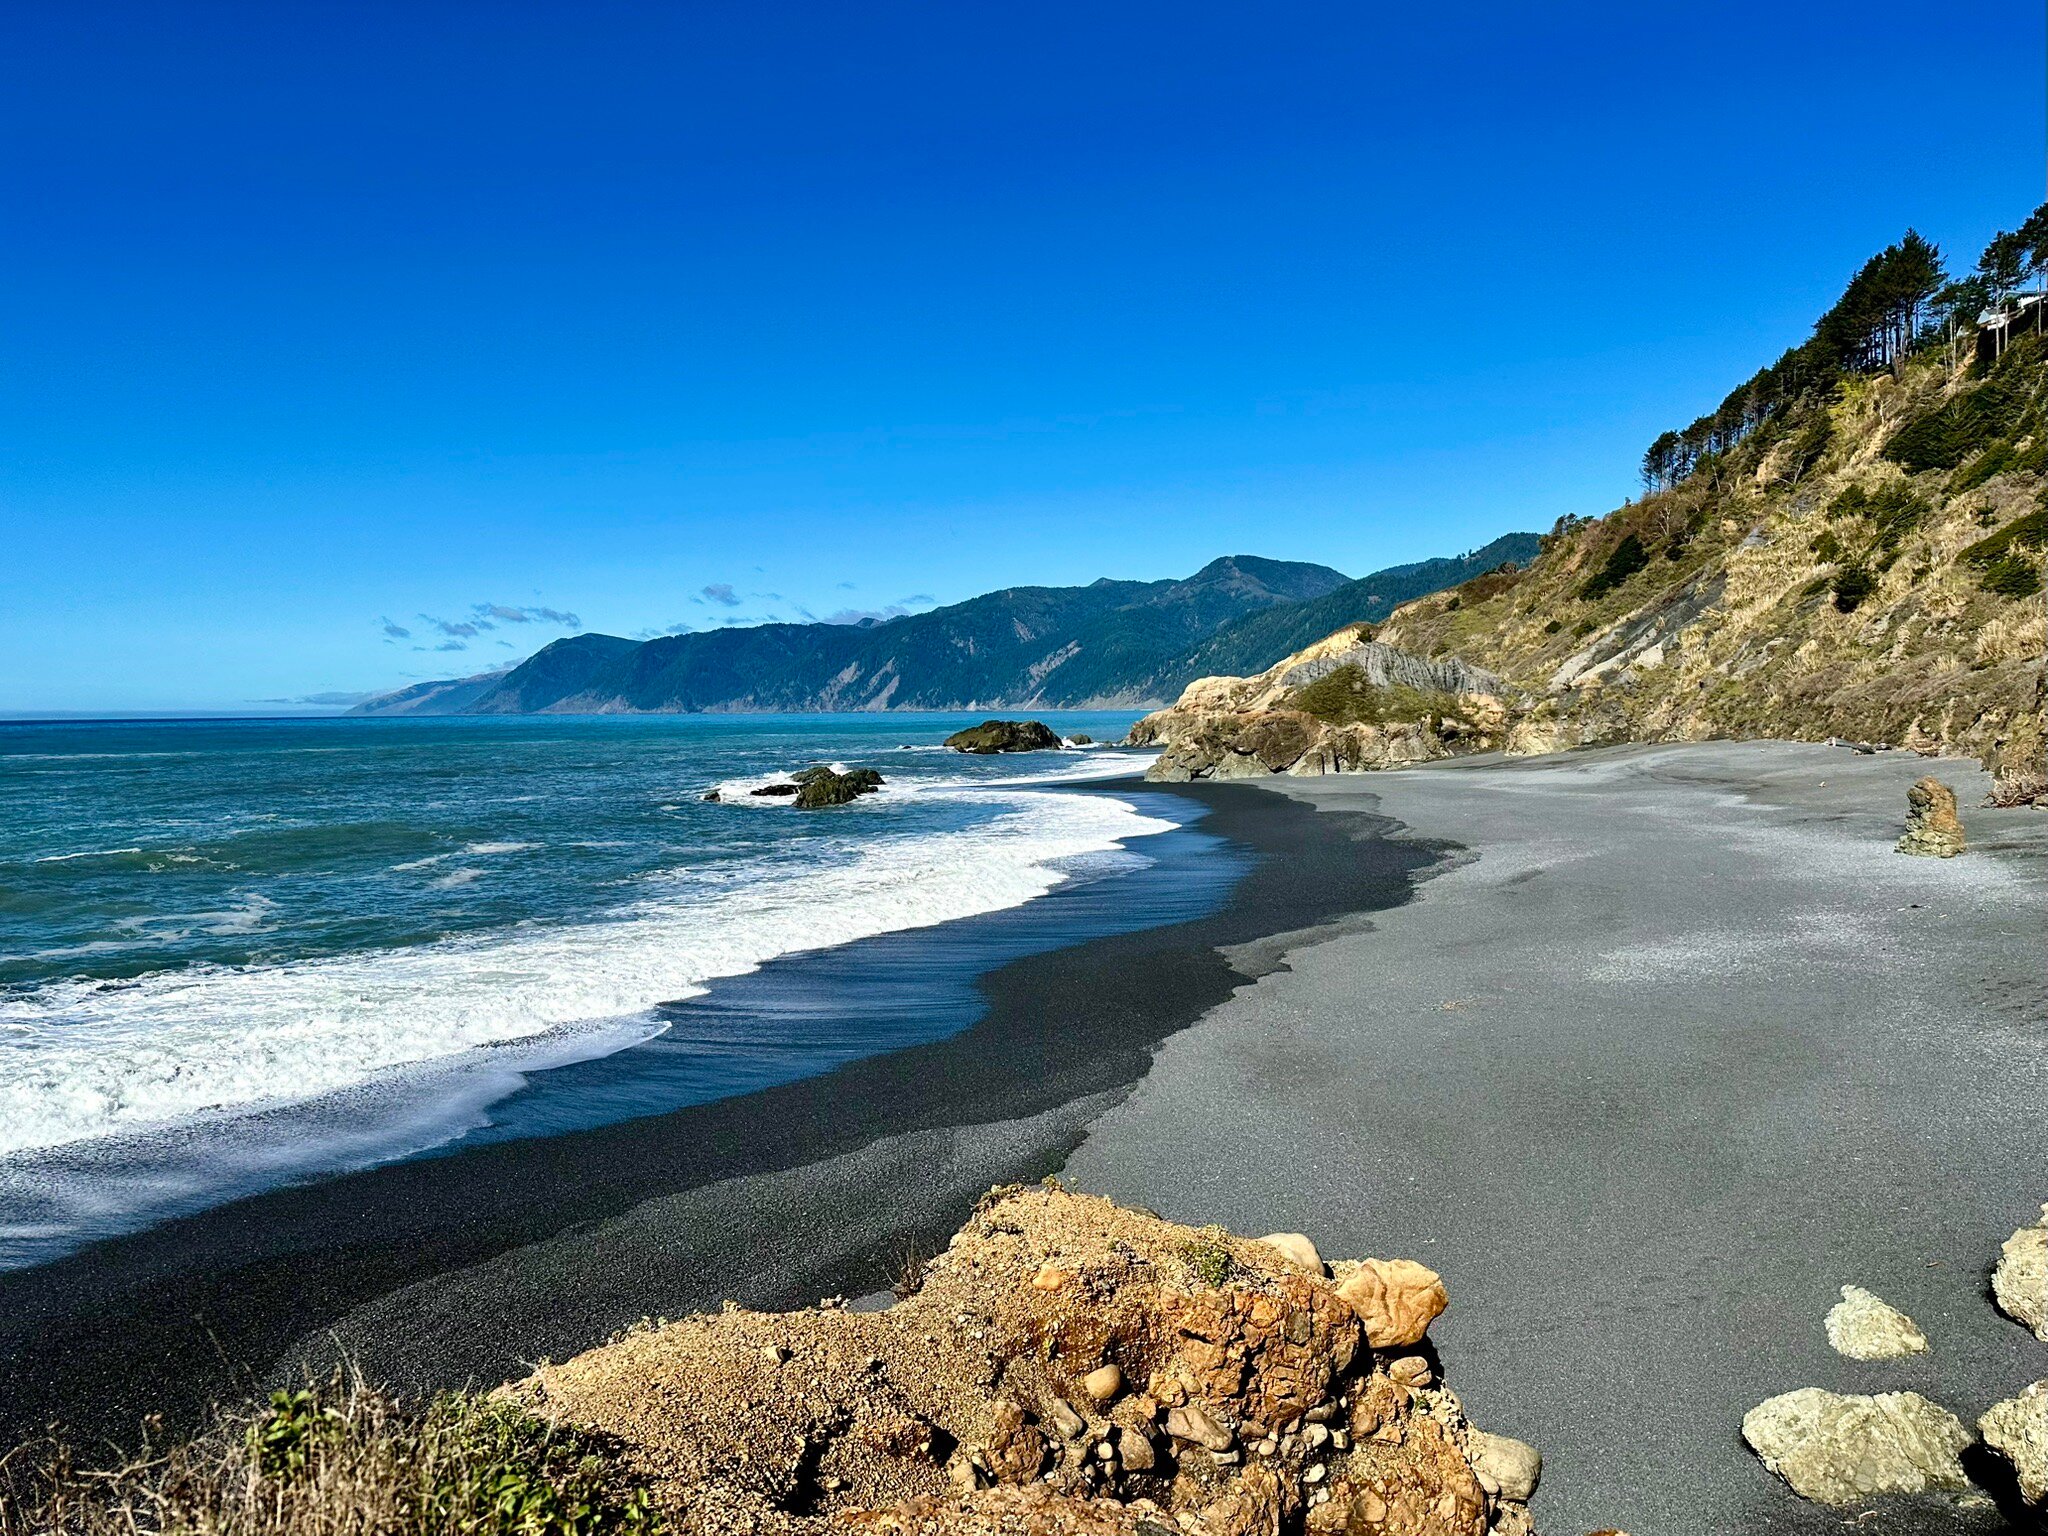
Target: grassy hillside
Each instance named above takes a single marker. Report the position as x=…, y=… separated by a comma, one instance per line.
x=1866, y=563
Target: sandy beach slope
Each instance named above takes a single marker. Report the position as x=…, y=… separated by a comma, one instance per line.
x=1679, y=1048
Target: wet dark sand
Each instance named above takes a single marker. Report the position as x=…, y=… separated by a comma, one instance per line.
x=461, y=1268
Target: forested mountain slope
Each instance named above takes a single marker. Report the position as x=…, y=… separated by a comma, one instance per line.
x=1108, y=644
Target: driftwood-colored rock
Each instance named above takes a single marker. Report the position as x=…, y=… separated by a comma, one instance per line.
x=2020, y=1283
x=1837, y=1448
x=1863, y=1327
x=2017, y=1429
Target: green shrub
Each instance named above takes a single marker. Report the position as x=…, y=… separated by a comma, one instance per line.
x=1553, y=626
x=1827, y=547
x=2016, y=573
x=1346, y=696
x=1623, y=561
x=2028, y=532
x=1208, y=1258
x=1851, y=585
x=1967, y=424
x=341, y=1460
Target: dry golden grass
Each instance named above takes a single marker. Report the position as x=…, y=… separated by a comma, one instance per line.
x=339, y=1460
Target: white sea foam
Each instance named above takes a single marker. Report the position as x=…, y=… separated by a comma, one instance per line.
x=86, y=853
x=78, y=1061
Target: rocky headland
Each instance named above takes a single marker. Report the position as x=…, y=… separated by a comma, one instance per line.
x=1343, y=705
x=1864, y=561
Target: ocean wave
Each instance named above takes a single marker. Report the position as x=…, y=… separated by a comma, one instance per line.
x=87, y=853
x=79, y=1061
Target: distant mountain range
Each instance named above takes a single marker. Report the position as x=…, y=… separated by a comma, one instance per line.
x=1111, y=644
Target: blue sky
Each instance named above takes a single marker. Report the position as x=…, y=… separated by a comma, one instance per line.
x=323, y=322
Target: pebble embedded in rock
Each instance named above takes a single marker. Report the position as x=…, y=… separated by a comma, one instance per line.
x=1296, y=1249
x=1410, y=1371
x=1103, y=1383
x=1514, y=1467
x=1197, y=1426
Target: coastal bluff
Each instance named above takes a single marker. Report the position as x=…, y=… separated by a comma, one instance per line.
x=1866, y=564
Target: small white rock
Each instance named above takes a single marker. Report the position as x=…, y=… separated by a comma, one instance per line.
x=1296, y=1249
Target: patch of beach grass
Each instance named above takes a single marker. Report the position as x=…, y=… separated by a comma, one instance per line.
x=333, y=1459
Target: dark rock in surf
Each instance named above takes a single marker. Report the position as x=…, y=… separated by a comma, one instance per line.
x=993, y=736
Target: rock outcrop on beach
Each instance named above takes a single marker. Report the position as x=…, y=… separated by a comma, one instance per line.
x=1066, y=1366
x=2017, y=1429
x=1933, y=829
x=1863, y=1327
x=993, y=736
x=1837, y=1448
x=2020, y=1282
x=1343, y=705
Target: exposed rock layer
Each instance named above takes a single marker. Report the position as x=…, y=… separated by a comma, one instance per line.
x=1245, y=727
x=1067, y=1366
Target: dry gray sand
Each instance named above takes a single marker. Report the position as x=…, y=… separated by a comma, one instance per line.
x=1679, y=1049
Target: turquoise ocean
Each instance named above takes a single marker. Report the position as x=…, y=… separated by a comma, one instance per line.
x=237, y=953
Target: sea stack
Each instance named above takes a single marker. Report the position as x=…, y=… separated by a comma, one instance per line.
x=992, y=736
x=1933, y=830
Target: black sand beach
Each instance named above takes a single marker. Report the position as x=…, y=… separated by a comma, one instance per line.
x=1677, y=1050
x=461, y=1268
x=1667, y=1047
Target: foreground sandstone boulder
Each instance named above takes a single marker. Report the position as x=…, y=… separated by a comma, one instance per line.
x=2020, y=1283
x=1067, y=1366
x=1862, y=1327
x=993, y=736
x=1396, y=1299
x=1933, y=829
x=2017, y=1429
x=1837, y=1448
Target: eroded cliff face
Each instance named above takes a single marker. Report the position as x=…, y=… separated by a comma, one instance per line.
x=1067, y=1366
x=1868, y=566
x=1869, y=570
